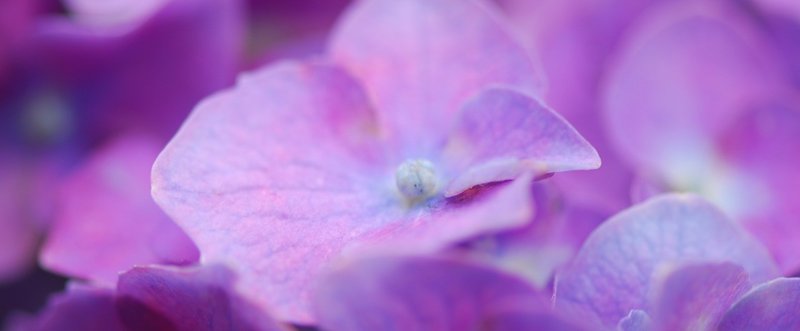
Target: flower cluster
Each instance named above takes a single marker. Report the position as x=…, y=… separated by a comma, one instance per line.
x=399, y=165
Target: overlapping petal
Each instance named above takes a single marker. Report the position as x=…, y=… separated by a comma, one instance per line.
x=420, y=60
x=190, y=299
x=503, y=133
x=430, y=293
x=79, y=309
x=770, y=306
x=695, y=296
x=613, y=272
x=107, y=222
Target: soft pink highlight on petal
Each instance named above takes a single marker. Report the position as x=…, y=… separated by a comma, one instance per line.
x=613, y=272
x=107, y=222
x=503, y=133
x=421, y=59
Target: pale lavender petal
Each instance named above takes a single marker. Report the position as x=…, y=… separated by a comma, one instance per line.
x=637, y=320
x=191, y=299
x=770, y=306
x=680, y=80
x=503, y=133
x=613, y=272
x=418, y=60
x=107, y=222
x=421, y=293
x=695, y=296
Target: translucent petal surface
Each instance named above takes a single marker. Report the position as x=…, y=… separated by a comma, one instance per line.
x=613, y=272
x=420, y=76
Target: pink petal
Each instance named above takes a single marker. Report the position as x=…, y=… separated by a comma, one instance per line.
x=503, y=133
x=424, y=293
x=612, y=273
x=301, y=180
x=106, y=220
x=769, y=306
x=695, y=296
x=191, y=299
x=680, y=80
x=419, y=61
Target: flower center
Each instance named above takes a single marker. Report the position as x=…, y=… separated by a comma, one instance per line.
x=416, y=179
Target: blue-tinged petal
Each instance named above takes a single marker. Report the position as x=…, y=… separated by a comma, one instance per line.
x=613, y=272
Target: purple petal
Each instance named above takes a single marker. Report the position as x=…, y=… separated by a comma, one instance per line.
x=79, y=309
x=146, y=76
x=503, y=133
x=186, y=299
x=769, y=306
x=18, y=233
x=107, y=221
x=420, y=76
x=695, y=296
x=680, y=81
x=612, y=273
x=422, y=293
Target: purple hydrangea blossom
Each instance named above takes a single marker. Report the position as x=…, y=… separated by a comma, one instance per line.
x=661, y=257
x=713, y=114
x=388, y=140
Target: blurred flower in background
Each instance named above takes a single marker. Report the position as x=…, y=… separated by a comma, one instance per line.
x=399, y=165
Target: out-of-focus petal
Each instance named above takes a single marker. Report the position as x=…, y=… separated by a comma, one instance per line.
x=147, y=76
x=695, y=296
x=191, y=299
x=763, y=143
x=770, y=306
x=19, y=233
x=79, y=309
x=427, y=293
x=421, y=59
x=106, y=220
x=503, y=133
x=613, y=272
x=680, y=81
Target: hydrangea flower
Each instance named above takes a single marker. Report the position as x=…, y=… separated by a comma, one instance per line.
x=674, y=262
x=152, y=298
x=388, y=141
x=696, y=102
